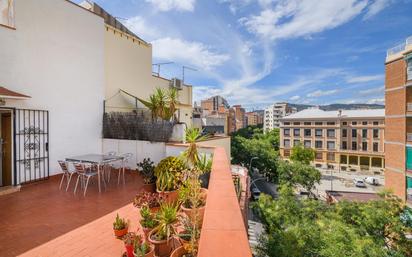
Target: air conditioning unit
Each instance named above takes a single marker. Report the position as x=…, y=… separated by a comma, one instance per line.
x=176, y=83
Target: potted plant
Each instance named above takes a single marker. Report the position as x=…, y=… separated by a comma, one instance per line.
x=150, y=200
x=188, y=230
x=142, y=248
x=147, y=170
x=147, y=221
x=128, y=240
x=192, y=197
x=120, y=227
x=189, y=246
x=168, y=173
x=161, y=236
x=205, y=165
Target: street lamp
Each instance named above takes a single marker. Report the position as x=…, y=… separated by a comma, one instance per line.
x=250, y=163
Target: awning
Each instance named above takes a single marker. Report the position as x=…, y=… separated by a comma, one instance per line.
x=8, y=94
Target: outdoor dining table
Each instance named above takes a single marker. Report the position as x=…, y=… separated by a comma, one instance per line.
x=97, y=159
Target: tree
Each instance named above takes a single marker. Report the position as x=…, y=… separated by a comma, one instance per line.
x=311, y=228
x=301, y=154
x=297, y=173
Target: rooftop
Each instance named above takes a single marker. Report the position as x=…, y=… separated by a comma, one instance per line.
x=398, y=51
x=316, y=113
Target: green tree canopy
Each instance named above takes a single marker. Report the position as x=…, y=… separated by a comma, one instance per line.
x=301, y=154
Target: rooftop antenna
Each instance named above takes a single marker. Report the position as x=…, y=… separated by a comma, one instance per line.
x=158, y=66
x=183, y=72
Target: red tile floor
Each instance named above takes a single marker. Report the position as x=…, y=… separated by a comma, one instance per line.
x=41, y=212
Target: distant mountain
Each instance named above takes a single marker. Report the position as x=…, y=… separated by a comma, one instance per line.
x=336, y=107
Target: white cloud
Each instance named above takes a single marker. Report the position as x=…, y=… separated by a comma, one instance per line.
x=376, y=7
x=319, y=93
x=364, y=79
x=295, y=98
x=188, y=52
x=167, y=5
x=297, y=18
x=372, y=91
x=376, y=101
x=139, y=26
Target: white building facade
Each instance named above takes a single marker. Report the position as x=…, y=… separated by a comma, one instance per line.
x=274, y=113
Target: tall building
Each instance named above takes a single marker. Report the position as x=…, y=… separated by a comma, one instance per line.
x=239, y=116
x=351, y=140
x=398, y=132
x=274, y=113
x=213, y=103
x=254, y=118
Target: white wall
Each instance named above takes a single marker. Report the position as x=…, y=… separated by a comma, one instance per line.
x=56, y=56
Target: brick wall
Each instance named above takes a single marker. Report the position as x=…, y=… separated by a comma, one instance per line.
x=395, y=74
x=395, y=181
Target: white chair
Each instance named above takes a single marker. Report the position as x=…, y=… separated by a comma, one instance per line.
x=84, y=175
x=120, y=166
x=108, y=167
x=66, y=174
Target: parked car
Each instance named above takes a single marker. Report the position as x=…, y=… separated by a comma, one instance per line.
x=255, y=193
x=372, y=181
x=359, y=183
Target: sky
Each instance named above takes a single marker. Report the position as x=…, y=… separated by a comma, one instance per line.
x=257, y=52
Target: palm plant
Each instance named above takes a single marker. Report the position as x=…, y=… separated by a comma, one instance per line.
x=163, y=104
x=173, y=101
x=166, y=217
x=161, y=98
x=191, y=154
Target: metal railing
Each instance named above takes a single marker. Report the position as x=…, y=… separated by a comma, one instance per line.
x=399, y=48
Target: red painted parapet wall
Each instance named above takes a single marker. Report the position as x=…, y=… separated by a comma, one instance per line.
x=223, y=232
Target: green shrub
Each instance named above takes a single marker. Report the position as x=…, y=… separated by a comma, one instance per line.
x=168, y=173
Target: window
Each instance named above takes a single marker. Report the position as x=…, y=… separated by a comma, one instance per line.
x=296, y=123
x=307, y=143
x=354, y=123
x=296, y=142
x=354, y=133
x=376, y=123
x=345, y=123
x=308, y=132
x=318, y=123
x=364, y=123
x=409, y=69
x=353, y=160
x=296, y=132
x=307, y=123
x=375, y=146
x=286, y=153
x=354, y=146
x=330, y=123
x=7, y=13
x=364, y=146
x=318, y=132
x=286, y=123
x=364, y=133
x=286, y=132
x=331, y=157
x=330, y=132
x=319, y=156
x=375, y=133
x=344, y=133
x=331, y=145
x=318, y=144
x=286, y=143
x=343, y=159
x=344, y=145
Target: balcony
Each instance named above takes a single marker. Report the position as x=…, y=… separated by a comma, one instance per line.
x=398, y=50
x=409, y=137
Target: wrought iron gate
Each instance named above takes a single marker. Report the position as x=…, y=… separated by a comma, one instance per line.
x=31, y=145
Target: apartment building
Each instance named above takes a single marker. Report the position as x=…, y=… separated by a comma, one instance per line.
x=398, y=119
x=254, y=118
x=348, y=140
x=240, y=116
x=213, y=103
x=274, y=113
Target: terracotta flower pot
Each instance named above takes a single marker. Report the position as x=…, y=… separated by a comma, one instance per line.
x=162, y=248
x=120, y=233
x=151, y=188
x=129, y=250
x=191, y=213
x=170, y=196
x=149, y=254
x=146, y=232
x=154, y=210
x=178, y=252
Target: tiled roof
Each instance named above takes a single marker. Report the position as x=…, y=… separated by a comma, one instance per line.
x=315, y=113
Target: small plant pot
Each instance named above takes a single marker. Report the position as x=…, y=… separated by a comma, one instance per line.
x=149, y=254
x=129, y=250
x=151, y=188
x=191, y=213
x=170, y=196
x=120, y=233
x=162, y=248
x=178, y=252
x=155, y=210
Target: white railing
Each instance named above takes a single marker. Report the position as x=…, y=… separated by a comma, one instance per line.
x=399, y=48
x=409, y=137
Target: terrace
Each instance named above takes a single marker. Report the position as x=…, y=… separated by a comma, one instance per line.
x=42, y=220
x=397, y=51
